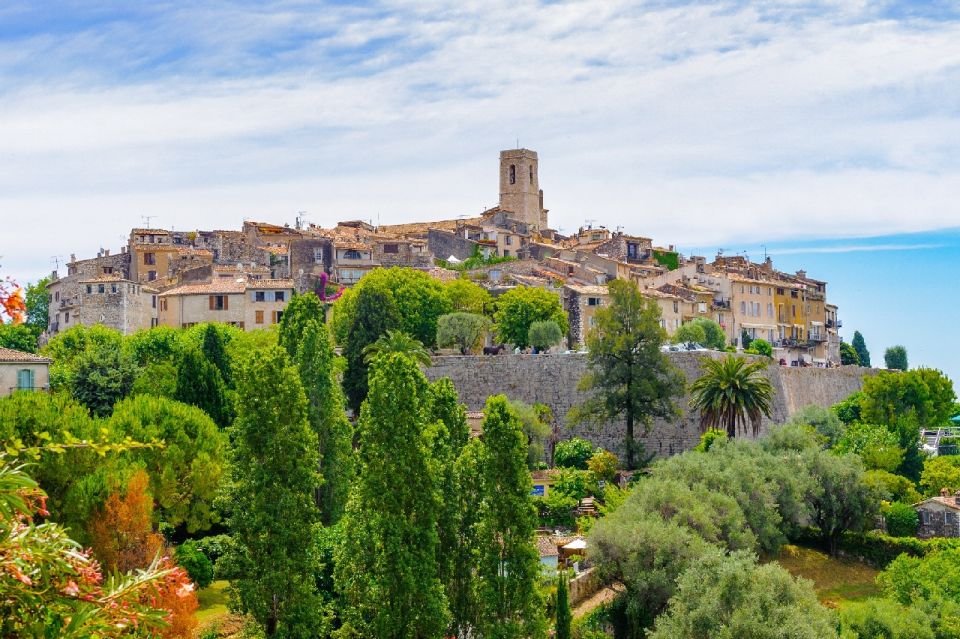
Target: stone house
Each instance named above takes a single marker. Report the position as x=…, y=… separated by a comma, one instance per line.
x=939, y=516
x=244, y=303
x=21, y=371
x=112, y=300
x=581, y=302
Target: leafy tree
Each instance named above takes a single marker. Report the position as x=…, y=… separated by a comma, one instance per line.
x=716, y=338
x=398, y=342
x=215, y=352
x=158, y=379
x=301, y=310
x=892, y=487
x=386, y=568
x=122, y=532
x=461, y=588
x=185, y=472
x=195, y=562
x=200, y=384
x=733, y=596
x=629, y=376
x=564, y=617
x=273, y=513
x=924, y=393
x=895, y=357
x=762, y=347
x=67, y=347
x=877, y=446
x=544, y=335
x=840, y=500
x=901, y=520
x=934, y=579
x=603, y=465
x=38, y=305
x=732, y=392
x=102, y=377
x=573, y=453
x=462, y=330
x=509, y=566
x=745, y=339
x=849, y=410
x=863, y=355
x=160, y=344
x=878, y=617
x=520, y=307
x=468, y=297
x=537, y=427
x=372, y=313
x=19, y=337
x=848, y=355
x=939, y=473
x=320, y=373
x=690, y=332
x=709, y=437
x=824, y=420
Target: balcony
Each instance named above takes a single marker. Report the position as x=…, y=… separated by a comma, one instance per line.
x=818, y=337
x=14, y=389
x=721, y=304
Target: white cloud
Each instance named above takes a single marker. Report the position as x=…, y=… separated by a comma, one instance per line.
x=702, y=123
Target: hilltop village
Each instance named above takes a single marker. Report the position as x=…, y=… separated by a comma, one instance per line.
x=246, y=277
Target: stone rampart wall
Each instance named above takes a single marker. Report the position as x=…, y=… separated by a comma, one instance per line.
x=552, y=380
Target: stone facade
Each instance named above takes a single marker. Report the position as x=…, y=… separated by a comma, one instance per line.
x=552, y=380
x=939, y=516
x=520, y=193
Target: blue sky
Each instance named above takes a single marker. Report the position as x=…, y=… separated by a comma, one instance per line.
x=790, y=123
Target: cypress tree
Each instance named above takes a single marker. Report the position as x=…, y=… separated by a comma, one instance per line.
x=386, y=567
x=200, y=384
x=273, y=511
x=461, y=587
x=509, y=568
x=374, y=313
x=301, y=310
x=861, y=347
x=316, y=362
x=216, y=353
x=562, y=626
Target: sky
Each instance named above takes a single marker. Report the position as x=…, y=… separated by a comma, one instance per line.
x=826, y=130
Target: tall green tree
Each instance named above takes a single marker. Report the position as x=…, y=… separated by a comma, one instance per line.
x=861, y=347
x=468, y=297
x=732, y=392
x=715, y=336
x=373, y=313
x=398, y=342
x=628, y=375
x=215, y=351
x=895, y=358
x=200, y=384
x=848, y=355
x=564, y=618
x=19, y=337
x=386, y=568
x=923, y=393
x=320, y=373
x=273, y=512
x=840, y=499
x=102, y=376
x=463, y=330
x=38, y=305
x=520, y=307
x=301, y=310
x=461, y=586
x=509, y=568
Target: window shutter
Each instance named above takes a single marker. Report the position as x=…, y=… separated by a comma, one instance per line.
x=211, y=302
x=226, y=302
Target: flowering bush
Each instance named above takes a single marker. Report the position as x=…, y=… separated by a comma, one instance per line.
x=13, y=305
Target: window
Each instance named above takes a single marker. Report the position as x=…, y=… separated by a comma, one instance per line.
x=391, y=248
x=219, y=302
x=793, y=307
x=593, y=321
x=509, y=240
x=632, y=251
x=25, y=379
x=513, y=174
x=259, y=317
x=56, y=296
x=153, y=301
x=113, y=288
x=277, y=316
x=531, y=174
x=676, y=306
x=506, y=252
x=151, y=275
x=163, y=304
x=770, y=309
x=925, y=517
x=89, y=289
x=318, y=255
x=100, y=288
x=260, y=296
x=66, y=317
x=107, y=270
x=743, y=308
x=149, y=258
x=278, y=296
x=351, y=254
x=593, y=301
x=702, y=307
x=769, y=291
x=154, y=322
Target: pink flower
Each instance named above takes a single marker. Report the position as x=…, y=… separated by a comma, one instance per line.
x=71, y=589
x=185, y=589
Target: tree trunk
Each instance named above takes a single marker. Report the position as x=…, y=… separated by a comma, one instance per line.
x=630, y=442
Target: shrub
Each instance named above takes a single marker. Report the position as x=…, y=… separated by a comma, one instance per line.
x=462, y=330
x=543, y=335
x=573, y=453
x=902, y=520
x=762, y=347
x=709, y=437
x=197, y=564
x=603, y=464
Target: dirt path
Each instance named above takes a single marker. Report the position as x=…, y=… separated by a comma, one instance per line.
x=597, y=599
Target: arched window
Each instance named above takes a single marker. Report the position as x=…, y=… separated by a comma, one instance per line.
x=513, y=174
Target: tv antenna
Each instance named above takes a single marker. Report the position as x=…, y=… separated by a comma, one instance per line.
x=56, y=261
x=299, y=219
x=589, y=223
x=765, y=256
x=146, y=219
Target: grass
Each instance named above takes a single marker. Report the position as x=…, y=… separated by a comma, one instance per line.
x=213, y=602
x=836, y=581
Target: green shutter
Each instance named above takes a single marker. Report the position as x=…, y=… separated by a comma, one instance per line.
x=25, y=379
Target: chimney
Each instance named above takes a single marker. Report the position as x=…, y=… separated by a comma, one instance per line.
x=106, y=252
x=944, y=492
x=801, y=273
x=73, y=257
x=956, y=498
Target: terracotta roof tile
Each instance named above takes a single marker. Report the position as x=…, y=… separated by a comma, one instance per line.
x=8, y=355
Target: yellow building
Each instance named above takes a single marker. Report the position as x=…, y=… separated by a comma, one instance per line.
x=246, y=304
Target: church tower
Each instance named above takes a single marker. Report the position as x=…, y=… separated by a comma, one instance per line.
x=520, y=194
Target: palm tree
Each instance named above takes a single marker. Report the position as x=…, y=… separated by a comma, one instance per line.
x=730, y=392
x=397, y=342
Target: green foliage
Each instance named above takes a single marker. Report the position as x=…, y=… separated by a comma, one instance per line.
x=762, y=347
x=573, y=453
x=931, y=583
x=745, y=339
x=878, y=549
x=67, y=347
x=215, y=352
x=19, y=337
x=386, y=569
x=792, y=438
x=198, y=565
x=848, y=355
x=824, y=420
x=892, y=487
x=37, y=302
x=159, y=344
x=901, y=519
x=538, y=429
x=563, y=615
x=670, y=259
x=895, y=357
x=555, y=510
x=467, y=297
x=603, y=465
x=709, y=437
x=461, y=330
x=939, y=473
x=884, y=618
x=544, y=335
x=877, y=446
x=860, y=346
x=690, y=332
x=716, y=338
x=627, y=375
x=462, y=592
x=732, y=392
x=420, y=299
x=301, y=310
x=519, y=308
x=102, y=376
x=397, y=342
x=848, y=411
x=509, y=567
x=273, y=513
x=156, y=378
x=319, y=370
x=923, y=393
x=732, y=596
x=200, y=384
x=840, y=500
x=370, y=312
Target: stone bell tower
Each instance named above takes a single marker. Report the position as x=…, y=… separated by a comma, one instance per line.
x=520, y=194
